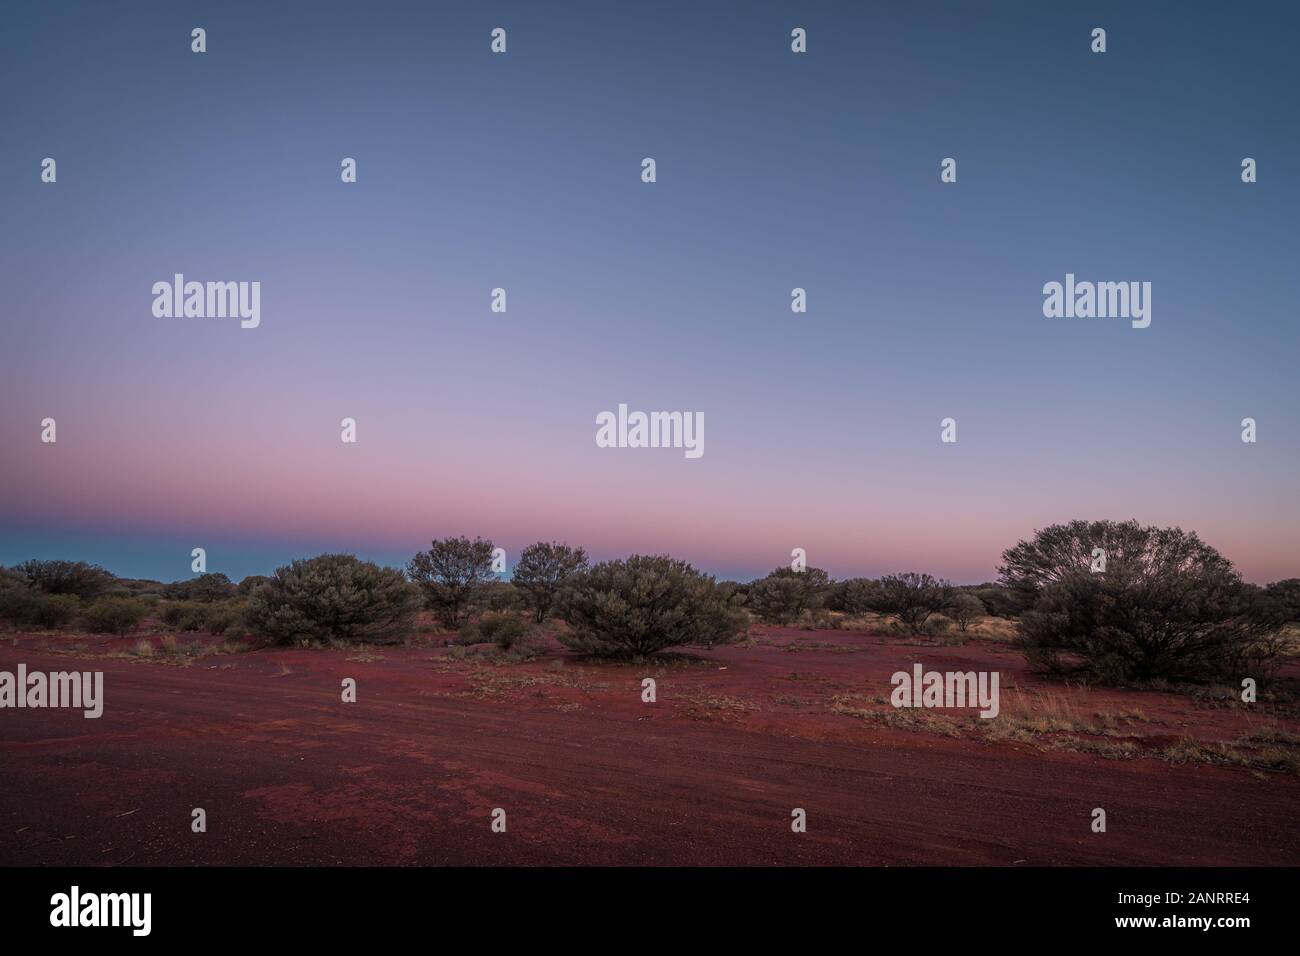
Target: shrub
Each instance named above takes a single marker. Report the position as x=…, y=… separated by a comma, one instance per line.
x=250, y=584
x=854, y=596
x=15, y=596
x=964, y=609
x=913, y=598
x=541, y=572
x=500, y=596
x=1168, y=606
x=999, y=601
x=1063, y=549
x=333, y=596
x=733, y=592
x=221, y=617
x=114, y=615
x=53, y=611
x=643, y=605
x=504, y=630
x=186, y=615
x=1280, y=602
x=86, y=581
x=138, y=587
x=452, y=575
x=24, y=607
x=213, y=586
x=784, y=595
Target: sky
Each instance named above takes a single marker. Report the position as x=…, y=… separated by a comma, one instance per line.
x=522, y=170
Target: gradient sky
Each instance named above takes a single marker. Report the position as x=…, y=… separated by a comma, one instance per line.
x=523, y=171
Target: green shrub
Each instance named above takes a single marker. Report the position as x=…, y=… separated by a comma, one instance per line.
x=55, y=610
x=452, y=575
x=250, y=584
x=643, y=605
x=221, y=617
x=541, y=572
x=784, y=595
x=114, y=615
x=24, y=607
x=1166, y=607
x=733, y=592
x=213, y=586
x=86, y=581
x=964, y=609
x=504, y=630
x=500, y=596
x=186, y=615
x=854, y=596
x=913, y=598
x=332, y=597
x=999, y=601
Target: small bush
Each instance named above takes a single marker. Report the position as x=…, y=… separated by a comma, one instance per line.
x=964, y=610
x=223, y=617
x=452, y=575
x=913, y=598
x=541, y=572
x=501, y=596
x=503, y=630
x=77, y=578
x=784, y=595
x=213, y=586
x=250, y=584
x=28, y=609
x=114, y=615
x=186, y=615
x=854, y=596
x=332, y=597
x=643, y=605
x=33, y=610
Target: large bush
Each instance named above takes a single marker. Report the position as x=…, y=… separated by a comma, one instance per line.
x=541, y=572
x=854, y=596
x=913, y=598
x=1166, y=606
x=999, y=601
x=114, y=615
x=452, y=575
x=784, y=595
x=331, y=596
x=213, y=586
x=643, y=605
x=86, y=581
x=25, y=608
x=250, y=584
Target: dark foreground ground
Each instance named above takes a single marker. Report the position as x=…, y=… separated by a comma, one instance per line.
x=589, y=774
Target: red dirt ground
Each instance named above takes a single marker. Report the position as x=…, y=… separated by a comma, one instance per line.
x=588, y=774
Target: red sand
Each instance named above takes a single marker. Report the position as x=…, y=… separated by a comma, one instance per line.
x=588, y=774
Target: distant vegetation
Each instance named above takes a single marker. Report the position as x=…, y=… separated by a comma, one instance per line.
x=1165, y=606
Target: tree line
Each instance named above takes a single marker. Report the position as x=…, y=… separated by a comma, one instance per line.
x=1166, y=606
